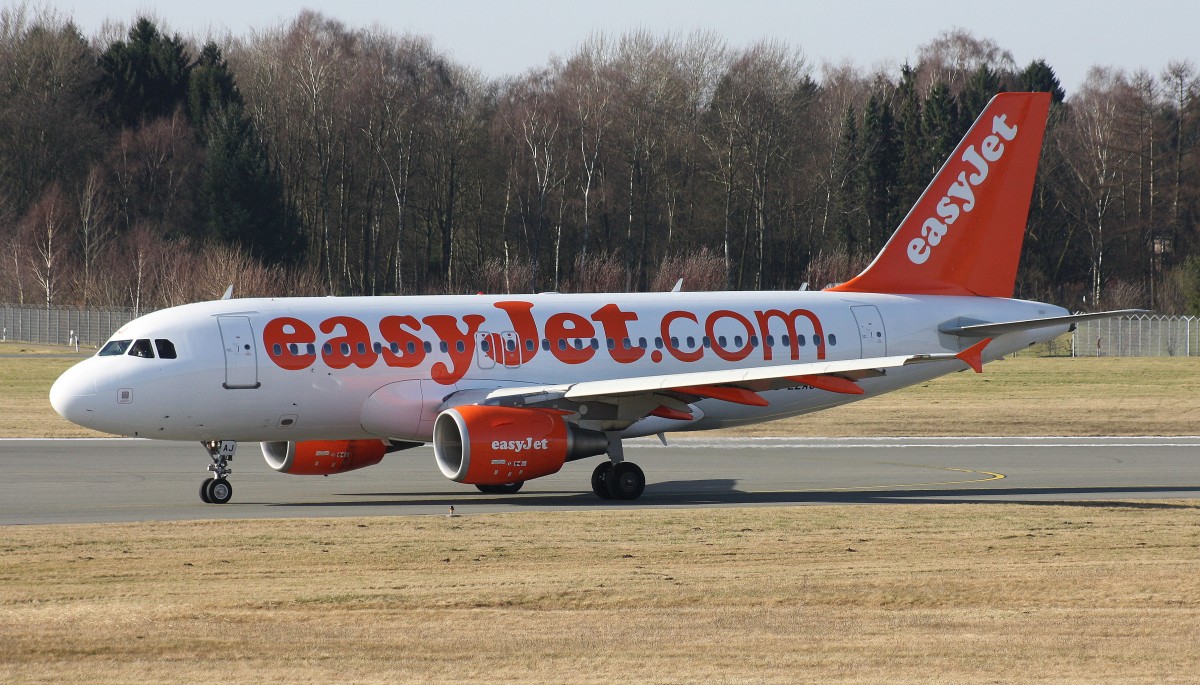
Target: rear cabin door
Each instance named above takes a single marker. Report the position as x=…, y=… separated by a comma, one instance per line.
x=241, y=360
x=870, y=331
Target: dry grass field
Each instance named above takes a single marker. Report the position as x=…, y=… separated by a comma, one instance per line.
x=25, y=381
x=1084, y=593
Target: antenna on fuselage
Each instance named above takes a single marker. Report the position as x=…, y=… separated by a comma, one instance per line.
x=228, y=292
x=678, y=286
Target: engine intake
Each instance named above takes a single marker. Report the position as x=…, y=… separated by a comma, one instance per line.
x=484, y=445
x=323, y=457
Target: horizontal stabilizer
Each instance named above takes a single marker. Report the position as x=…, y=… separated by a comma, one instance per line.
x=984, y=330
x=973, y=355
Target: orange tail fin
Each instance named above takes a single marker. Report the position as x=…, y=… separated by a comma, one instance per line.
x=963, y=237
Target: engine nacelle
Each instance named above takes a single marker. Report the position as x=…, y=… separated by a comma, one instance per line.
x=485, y=445
x=323, y=457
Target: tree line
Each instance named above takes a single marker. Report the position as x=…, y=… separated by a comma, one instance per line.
x=145, y=169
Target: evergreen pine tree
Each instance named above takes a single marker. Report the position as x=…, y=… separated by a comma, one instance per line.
x=911, y=173
x=211, y=87
x=849, y=224
x=146, y=76
x=981, y=87
x=1038, y=77
x=241, y=196
x=880, y=152
x=939, y=120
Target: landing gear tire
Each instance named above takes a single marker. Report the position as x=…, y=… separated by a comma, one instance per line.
x=505, y=489
x=218, y=491
x=625, y=481
x=600, y=480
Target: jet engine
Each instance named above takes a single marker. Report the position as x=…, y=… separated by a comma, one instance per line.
x=323, y=457
x=485, y=445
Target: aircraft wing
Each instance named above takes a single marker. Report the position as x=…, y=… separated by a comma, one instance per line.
x=740, y=386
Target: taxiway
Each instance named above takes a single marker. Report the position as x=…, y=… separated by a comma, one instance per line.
x=82, y=481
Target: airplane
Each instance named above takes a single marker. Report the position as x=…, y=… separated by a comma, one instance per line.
x=509, y=388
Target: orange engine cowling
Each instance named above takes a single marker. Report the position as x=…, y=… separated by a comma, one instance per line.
x=485, y=445
x=323, y=457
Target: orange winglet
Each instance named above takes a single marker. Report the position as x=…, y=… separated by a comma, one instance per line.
x=829, y=383
x=726, y=393
x=669, y=413
x=973, y=355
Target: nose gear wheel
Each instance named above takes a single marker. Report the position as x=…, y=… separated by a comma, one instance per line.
x=218, y=490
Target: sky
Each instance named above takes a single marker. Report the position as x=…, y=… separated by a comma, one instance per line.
x=508, y=37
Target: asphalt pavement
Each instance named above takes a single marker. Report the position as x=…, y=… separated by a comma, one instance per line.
x=86, y=480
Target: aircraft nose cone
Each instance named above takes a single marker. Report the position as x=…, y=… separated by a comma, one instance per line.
x=73, y=396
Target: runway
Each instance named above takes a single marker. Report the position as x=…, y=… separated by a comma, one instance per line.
x=88, y=481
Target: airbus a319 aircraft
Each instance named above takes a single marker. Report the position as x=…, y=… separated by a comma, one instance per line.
x=510, y=388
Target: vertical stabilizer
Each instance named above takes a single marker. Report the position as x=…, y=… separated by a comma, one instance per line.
x=963, y=237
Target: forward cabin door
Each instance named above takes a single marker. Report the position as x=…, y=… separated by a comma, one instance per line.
x=241, y=359
x=870, y=331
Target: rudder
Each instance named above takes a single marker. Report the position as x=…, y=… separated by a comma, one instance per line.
x=964, y=234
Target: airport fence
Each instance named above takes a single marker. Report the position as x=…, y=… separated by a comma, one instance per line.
x=60, y=325
x=1145, y=335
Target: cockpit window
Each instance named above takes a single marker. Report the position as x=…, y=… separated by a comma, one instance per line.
x=166, y=348
x=141, y=348
x=114, y=348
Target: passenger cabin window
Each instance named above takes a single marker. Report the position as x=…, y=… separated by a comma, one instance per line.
x=114, y=348
x=141, y=348
x=166, y=348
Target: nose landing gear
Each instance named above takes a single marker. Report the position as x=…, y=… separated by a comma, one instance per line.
x=218, y=490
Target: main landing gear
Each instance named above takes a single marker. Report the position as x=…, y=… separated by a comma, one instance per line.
x=218, y=490
x=620, y=480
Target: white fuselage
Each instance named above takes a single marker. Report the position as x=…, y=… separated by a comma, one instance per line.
x=295, y=369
